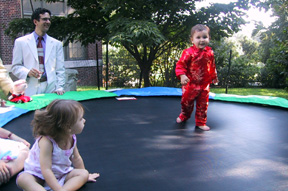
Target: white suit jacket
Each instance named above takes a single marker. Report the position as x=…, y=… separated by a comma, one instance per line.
x=25, y=57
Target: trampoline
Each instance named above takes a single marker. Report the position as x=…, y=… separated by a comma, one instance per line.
x=137, y=145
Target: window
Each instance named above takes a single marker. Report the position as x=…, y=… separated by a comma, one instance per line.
x=75, y=51
x=57, y=8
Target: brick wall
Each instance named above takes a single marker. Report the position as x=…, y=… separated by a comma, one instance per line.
x=92, y=51
x=9, y=9
x=87, y=71
x=87, y=76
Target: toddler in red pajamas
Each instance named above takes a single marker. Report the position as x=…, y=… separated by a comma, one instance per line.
x=196, y=69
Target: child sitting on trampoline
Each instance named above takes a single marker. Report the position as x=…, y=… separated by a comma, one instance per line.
x=13, y=152
x=196, y=70
x=13, y=149
x=49, y=164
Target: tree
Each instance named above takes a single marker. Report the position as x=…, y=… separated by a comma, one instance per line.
x=164, y=67
x=221, y=50
x=274, y=45
x=147, y=29
x=123, y=68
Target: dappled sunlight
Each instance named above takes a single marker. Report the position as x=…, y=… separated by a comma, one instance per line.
x=210, y=170
x=135, y=119
x=255, y=169
x=166, y=142
x=213, y=160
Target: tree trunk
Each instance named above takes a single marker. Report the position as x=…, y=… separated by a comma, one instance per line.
x=145, y=75
x=144, y=63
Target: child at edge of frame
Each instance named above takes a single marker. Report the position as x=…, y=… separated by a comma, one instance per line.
x=196, y=70
x=54, y=162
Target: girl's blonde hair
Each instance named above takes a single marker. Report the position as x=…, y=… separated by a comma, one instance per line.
x=199, y=27
x=56, y=120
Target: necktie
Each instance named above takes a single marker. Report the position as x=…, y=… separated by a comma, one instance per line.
x=41, y=59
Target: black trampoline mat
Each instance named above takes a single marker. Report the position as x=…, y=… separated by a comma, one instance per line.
x=136, y=145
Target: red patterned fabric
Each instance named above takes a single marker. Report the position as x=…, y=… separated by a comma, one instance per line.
x=199, y=66
x=201, y=96
x=19, y=98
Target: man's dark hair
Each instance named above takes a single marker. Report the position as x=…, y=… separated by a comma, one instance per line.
x=37, y=12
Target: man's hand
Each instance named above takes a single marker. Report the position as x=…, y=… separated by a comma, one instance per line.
x=215, y=81
x=59, y=92
x=35, y=73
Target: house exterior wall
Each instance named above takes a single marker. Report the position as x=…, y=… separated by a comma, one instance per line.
x=9, y=10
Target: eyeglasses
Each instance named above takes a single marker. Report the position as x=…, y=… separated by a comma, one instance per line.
x=45, y=19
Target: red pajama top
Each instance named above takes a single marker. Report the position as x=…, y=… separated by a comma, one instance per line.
x=198, y=65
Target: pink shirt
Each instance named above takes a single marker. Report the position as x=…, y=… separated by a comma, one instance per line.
x=61, y=163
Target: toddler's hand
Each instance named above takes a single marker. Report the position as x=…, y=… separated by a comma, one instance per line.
x=93, y=177
x=16, y=138
x=26, y=143
x=184, y=79
x=215, y=81
x=4, y=172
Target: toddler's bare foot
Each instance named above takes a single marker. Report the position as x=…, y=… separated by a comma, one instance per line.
x=178, y=120
x=204, y=127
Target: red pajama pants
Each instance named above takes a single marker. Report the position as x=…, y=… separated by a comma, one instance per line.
x=201, y=96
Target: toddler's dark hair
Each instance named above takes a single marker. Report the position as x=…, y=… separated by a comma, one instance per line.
x=199, y=28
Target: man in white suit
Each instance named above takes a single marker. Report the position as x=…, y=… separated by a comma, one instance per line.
x=25, y=63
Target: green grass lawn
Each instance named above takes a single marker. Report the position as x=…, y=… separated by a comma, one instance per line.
x=238, y=91
x=85, y=88
x=253, y=91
